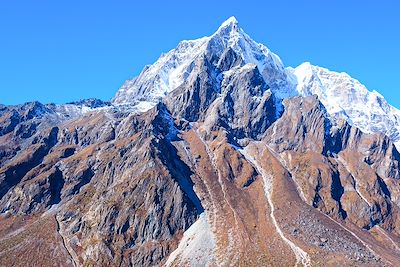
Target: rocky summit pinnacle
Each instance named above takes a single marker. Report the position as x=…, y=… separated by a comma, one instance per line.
x=229, y=30
x=197, y=161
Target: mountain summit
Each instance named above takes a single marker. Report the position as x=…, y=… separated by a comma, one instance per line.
x=174, y=68
x=215, y=155
x=342, y=95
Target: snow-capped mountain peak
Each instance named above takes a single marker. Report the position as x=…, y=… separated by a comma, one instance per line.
x=229, y=32
x=342, y=95
x=229, y=22
x=173, y=68
x=345, y=97
x=231, y=35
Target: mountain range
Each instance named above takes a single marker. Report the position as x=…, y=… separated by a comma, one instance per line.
x=215, y=155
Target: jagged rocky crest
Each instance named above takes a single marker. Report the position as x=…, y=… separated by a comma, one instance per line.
x=197, y=161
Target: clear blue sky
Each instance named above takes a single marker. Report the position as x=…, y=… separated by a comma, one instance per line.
x=59, y=51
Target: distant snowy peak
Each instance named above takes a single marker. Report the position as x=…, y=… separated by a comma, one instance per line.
x=91, y=103
x=346, y=97
x=174, y=68
x=37, y=110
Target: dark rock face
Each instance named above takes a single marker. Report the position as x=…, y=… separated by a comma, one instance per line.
x=301, y=128
x=13, y=174
x=145, y=205
x=246, y=108
x=10, y=121
x=238, y=100
x=190, y=101
x=335, y=165
x=135, y=188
